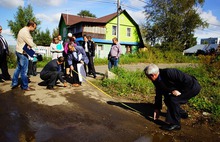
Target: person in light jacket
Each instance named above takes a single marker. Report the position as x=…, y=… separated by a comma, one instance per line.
x=114, y=54
x=24, y=38
x=76, y=54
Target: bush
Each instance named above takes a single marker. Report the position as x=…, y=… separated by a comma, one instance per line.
x=152, y=55
x=41, y=64
x=12, y=60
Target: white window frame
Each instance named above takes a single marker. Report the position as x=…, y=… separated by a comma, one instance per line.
x=114, y=31
x=128, y=32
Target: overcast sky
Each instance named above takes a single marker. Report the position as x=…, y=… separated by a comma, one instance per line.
x=49, y=11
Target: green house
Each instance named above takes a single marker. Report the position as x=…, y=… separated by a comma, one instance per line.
x=102, y=30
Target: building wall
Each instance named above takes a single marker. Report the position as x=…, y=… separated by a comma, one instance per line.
x=63, y=30
x=102, y=50
x=210, y=41
x=124, y=24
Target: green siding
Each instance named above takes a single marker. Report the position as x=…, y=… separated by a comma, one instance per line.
x=62, y=26
x=124, y=24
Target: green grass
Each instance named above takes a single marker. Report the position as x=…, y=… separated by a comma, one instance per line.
x=135, y=86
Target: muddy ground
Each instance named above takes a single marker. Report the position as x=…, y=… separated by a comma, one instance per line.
x=86, y=114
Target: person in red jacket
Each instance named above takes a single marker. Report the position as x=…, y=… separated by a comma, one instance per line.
x=177, y=88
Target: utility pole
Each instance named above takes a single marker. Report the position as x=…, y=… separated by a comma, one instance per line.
x=118, y=19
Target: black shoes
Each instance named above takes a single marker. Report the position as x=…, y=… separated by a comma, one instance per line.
x=184, y=115
x=171, y=127
x=50, y=87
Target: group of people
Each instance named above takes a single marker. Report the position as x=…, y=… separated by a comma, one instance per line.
x=176, y=86
x=69, y=57
x=74, y=54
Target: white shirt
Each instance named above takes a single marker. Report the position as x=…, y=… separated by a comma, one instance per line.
x=86, y=47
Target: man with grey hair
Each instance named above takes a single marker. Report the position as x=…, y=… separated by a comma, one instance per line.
x=177, y=88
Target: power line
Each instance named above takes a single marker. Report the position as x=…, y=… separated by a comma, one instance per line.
x=131, y=7
x=143, y=1
x=214, y=24
x=101, y=1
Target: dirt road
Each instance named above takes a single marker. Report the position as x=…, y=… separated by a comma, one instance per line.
x=85, y=114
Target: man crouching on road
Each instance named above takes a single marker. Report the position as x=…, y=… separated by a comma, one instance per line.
x=52, y=72
x=177, y=88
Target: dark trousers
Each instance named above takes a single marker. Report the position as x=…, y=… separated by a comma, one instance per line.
x=173, y=103
x=32, y=68
x=4, y=66
x=51, y=77
x=91, y=67
x=75, y=74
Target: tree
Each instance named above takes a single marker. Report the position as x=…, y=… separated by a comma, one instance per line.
x=87, y=13
x=43, y=38
x=172, y=22
x=55, y=32
x=22, y=17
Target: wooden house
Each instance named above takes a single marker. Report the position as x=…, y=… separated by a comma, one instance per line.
x=102, y=30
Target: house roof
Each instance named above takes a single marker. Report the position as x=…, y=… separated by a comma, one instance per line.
x=74, y=19
x=204, y=47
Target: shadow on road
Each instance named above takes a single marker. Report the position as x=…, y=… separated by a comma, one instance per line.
x=144, y=109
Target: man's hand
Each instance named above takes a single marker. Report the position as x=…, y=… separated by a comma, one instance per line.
x=82, y=62
x=156, y=114
x=65, y=84
x=176, y=93
x=71, y=67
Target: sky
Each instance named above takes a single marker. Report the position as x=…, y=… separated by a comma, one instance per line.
x=49, y=12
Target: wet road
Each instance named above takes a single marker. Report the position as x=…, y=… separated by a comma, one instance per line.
x=70, y=114
x=81, y=114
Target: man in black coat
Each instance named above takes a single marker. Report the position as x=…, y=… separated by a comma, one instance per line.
x=52, y=72
x=4, y=52
x=177, y=88
x=89, y=48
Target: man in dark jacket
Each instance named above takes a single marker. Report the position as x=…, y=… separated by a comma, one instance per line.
x=89, y=48
x=177, y=88
x=4, y=52
x=52, y=72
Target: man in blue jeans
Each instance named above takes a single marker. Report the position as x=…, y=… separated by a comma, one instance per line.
x=24, y=37
x=114, y=54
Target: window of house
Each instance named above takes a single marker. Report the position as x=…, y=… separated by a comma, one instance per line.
x=114, y=30
x=128, y=32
